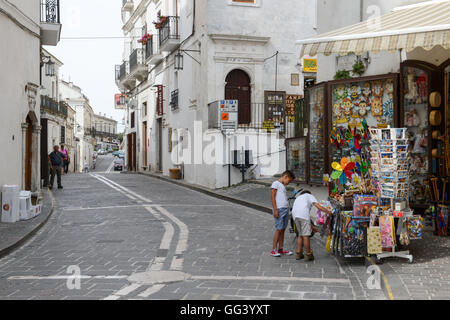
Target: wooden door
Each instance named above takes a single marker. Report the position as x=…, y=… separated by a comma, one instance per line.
x=28, y=154
x=130, y=152
x=145, y=143
x=238, y=88
x=159, y=144
x=134, y=151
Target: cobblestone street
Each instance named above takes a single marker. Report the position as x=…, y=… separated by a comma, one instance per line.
x=136, y=237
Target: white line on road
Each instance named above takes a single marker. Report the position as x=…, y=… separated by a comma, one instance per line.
x=110, y=185
x=259, y=278
x=110, y=167
x=151, y=290
x=177, y=263
x=134, y=194
x=100, y=208
x=59, y=277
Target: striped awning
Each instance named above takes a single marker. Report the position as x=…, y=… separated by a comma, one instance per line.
x=424, y=25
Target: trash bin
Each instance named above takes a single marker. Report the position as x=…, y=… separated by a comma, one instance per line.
x=10, y=204
x=175, y=174
x=25, y=211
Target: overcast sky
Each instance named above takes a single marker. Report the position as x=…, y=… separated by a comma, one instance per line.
x=90, y=63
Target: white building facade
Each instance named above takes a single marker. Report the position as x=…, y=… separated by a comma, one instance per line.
x=83, y=127
x=236, y=50
x=24, y=27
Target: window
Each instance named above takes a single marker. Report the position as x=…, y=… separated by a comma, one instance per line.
x=63, y=135
x=144, y=109
x=132, y=120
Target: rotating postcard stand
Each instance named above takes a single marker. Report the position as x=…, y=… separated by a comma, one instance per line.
x=390, y=177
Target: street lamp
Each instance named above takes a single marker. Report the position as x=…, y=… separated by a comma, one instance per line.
x=179, y=61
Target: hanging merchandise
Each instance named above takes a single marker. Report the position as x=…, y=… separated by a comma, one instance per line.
x=374, y=240
x=387, y=234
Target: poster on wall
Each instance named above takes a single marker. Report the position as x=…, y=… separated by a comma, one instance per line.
x=290, y=105
x=275, y=103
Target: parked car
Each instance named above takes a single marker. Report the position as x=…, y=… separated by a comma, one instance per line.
x=101, y=152
x=118, y=165
x=121, y=155
x=116, y=153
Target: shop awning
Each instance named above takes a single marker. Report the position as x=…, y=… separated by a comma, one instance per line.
x=423, y=25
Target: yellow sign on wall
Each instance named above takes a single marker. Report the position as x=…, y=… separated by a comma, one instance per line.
x=309, y=65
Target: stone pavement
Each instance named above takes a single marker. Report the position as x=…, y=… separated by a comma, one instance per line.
x=427, y=278
x=135, y=237
x=12, y=235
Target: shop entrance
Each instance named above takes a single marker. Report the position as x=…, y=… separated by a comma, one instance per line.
x=131, y=144
x=238, y=88
x=159, y=144
x=145, y=145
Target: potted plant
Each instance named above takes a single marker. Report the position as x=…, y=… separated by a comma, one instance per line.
x=342, y=74
x=147, y=37
x=159, y=24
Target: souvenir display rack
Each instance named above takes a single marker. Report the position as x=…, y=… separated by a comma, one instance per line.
x=317, y=133
x=424, y=111
x=296, y=157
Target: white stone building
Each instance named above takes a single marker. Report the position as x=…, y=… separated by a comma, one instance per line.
x=84, y=124
x=229, y=51
x=105, y=132
x=24, y=27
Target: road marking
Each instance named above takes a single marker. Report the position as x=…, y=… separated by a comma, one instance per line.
x=100, y=208
x=61, y=277
x=110, y=167
x=385, y=280
x=110, y=185
x=128, y=289
x=151, y=290
x=260, y=278
x=126, y=189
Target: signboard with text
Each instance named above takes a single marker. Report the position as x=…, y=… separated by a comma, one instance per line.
x=120, y=101
x=309, y=65
x=160, y=106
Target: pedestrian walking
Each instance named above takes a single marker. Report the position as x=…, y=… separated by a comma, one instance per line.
x=56, y=162
x=86, y=167
x=302, y=217
x=280, y=205
x=66, y=159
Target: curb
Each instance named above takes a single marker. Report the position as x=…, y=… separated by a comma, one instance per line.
x=210, y=193
x=6, y=251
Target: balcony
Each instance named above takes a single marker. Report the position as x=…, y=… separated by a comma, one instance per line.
x=127, y=5
x=50, y=22
x=138, y=68
x=51, y=106
x=153, y=55
x=261, y=118
x=174, y=100
x=124, y=79
x=169, y=35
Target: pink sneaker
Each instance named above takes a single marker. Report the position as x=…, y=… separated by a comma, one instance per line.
x=285, y=252
x=273, y=253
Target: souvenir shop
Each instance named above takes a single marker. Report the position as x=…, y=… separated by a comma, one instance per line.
x=381, y=143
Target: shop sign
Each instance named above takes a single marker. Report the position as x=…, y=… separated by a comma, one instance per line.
x=120, y=101
x=160, y=108
x=309, y=65
x=290, y=103
x=268, y=125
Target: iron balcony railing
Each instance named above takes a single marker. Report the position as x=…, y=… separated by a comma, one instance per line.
x=50, y=11
x=136, y=58
x=124, y=70
x=266, y=118
x=174, y=100
x=52, y=106
x=169, y=30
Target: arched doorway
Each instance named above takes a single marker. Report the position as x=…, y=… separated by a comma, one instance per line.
x=238, y=88
x=28, y=153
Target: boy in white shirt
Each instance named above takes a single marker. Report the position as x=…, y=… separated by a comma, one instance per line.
x=302, y=217
x=280, y=205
